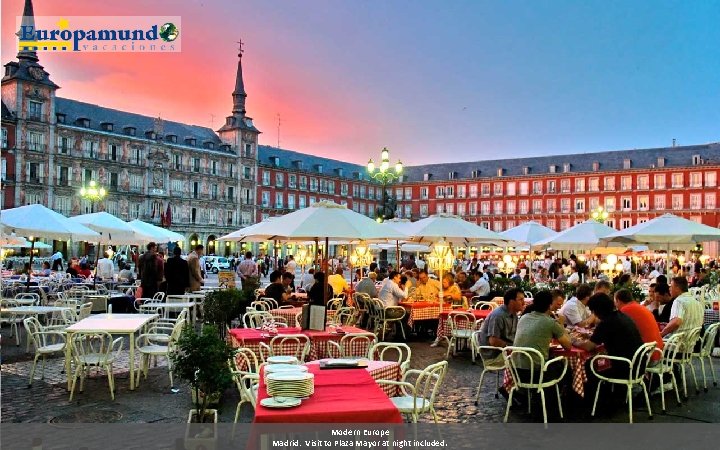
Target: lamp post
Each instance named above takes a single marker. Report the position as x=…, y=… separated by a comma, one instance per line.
x=599, y=214
x=441, y=259
x=93, y=193
x=385, y=175
x=360, y=257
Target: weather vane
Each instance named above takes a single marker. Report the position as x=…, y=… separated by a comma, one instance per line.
x=240, y=46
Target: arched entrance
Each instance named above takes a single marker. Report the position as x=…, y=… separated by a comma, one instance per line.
x=194, y=240
x=211, y=245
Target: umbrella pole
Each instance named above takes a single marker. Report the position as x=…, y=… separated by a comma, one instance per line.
x=397, y=255
x=442, y=300
x=32, y=251
x=315, y=262
x=667, y=263
x=325, y=269
x=97, y=257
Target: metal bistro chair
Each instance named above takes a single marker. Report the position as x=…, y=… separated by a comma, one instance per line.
x=149, y=346
x=482, y=305
x=43, y=347
x=244, y=368
x=665, y=365
x=297, y=345
x=345, y=317
x=382, y=320
x=489, y=365
x=706, y=346
x=402, y=353
x=462, y=326
x=538, y=367
x=685, y=355
x=419, y=397
x=636, y=375
x=352, y=345
x=94, y=350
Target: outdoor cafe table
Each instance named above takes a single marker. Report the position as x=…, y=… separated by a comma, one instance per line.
x=24, y=311
x=379, y=370
x=174, y=306
x=251, y=338
x=576, y=367
x=128, y=324
x=289, y=314
x=444, y=326
x=341, y=396
x=417, y=311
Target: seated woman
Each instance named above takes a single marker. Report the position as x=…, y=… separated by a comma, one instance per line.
x=125, y=274
x=452, y=293
x=84, y=271
x=45, y=272
x=316, y=295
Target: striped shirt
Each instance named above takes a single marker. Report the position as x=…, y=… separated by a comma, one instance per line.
x=689, y=309
x=247, y=268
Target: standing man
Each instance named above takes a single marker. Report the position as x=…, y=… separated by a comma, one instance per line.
x=105, y=269
x=148, y=271
x=291, y=265
x=177, y=273
x=57, y=261
x=193, y=260
x=247, y=268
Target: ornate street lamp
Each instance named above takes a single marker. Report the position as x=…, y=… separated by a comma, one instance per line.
x=360, y=257
x=599, y=214
x=385, y=175
x=441, y=259
x=93, y=193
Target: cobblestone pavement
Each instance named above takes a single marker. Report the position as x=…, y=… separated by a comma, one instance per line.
x=48, y=399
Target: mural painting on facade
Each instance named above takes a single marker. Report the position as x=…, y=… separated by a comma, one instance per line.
x=125, y=180
x=157, y=176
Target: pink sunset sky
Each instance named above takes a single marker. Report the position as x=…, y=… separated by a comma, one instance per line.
x=433, y=81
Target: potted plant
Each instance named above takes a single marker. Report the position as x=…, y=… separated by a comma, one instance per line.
x=201, y=360
x=222, y=306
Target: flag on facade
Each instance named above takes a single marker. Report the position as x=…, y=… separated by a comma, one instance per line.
x=168, y=216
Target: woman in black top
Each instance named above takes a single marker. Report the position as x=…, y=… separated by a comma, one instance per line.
x=316, y=291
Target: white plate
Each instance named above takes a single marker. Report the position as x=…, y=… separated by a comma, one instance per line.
x=290, y=376
x=280, y=402
x=274, y=368
x=282, y=360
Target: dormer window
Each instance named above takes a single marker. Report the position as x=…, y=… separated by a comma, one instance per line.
x=60, y=117
x=427, y=176
x=171, y=138
x=596, y=166
x=191, y=141
x=130, y=131
x=526, y=170
x=106, y=126
x=452, y=175
x=275, y=161
x=319, y=168
x=83, y=122
x=150, y=134
x=297, y=164
x=696, y=160
x=225, y=147
x=475, y=174
x=339, y=171
x=356, y=175
x=566, y=167
x=210, y=145
x=553, y=168
x=661, y=161
x=627, y=163
x=500, y=171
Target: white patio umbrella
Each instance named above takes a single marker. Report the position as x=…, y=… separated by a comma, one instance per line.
x=113, y=230
x=155, y=233
x=667, y=232
x=24, y=243
x=243, y=234
x=9, y=240
x=454, y=230
x=583, y=236
x=529, y=233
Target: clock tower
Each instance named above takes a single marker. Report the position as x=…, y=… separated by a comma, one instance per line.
x=240, y=132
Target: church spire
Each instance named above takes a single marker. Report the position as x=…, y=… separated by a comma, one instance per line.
x=28, y=21
x=239, y=94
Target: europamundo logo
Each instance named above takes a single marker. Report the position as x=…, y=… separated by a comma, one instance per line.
x=99, y=34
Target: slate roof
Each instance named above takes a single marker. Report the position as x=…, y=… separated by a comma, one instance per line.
x=74, y=109
x=309, y=162
x=580, y=162
x=6, y=114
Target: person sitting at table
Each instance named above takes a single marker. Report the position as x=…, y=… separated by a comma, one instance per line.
x=603, y=287
x=452, y=293
x=72, y=268
x=177, y=273
x=367, y=285
x=575, y=311
x=574, y=277
x=105, y=269
x=288, y=279
x=338, y=282
x=686, y=312
x=498, y=329
x=316, y=295
x=125, y=274
x=662, y=303
x=307, y=280
x=558, y=300
x=411, y=278
x=391, y=293
x=644, y=320
x=276, y=288
x=427, y=288
x=618, y=333
x=536, y=330
x=84, y=271
x=45, y=272
x=516, y=278
x=481, y=287
x=461, y=279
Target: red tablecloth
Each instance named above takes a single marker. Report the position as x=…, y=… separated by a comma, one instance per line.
x=379, y=370
x=444, y=326
x=423, y=310
x=341, y=396
x=251, y=338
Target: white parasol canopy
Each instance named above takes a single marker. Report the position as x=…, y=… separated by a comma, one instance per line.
x=38, y=220
x=24, y=243
x=10, y=240
x=322, y=220
x=155, y=233
x=529, y=233
x=113, y=230
x=583, y=236
x=676, y=231
x=243, y=233
x=454, y=230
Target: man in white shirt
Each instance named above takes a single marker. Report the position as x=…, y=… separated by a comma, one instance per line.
x=291, y=265
x=420, y=263
x=481, y=287
x=307, y=280
x=687, y=311
x=105, y=269
x=390, y=293
x=575, y=310
x=574, y=277
x=57, y=260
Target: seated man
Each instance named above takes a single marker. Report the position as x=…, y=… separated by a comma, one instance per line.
x=536, y=330
x=686, y=312
x=307, y=280
x=644, y=320
x=390, y=293
x=662, y=303
x=499, y=328
x=276, y=288
x=575, y=310
x=338, y=282
x=367, y=285
x=427, y=289
x=481, y=288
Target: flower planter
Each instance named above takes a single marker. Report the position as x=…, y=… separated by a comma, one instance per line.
x=201, y=435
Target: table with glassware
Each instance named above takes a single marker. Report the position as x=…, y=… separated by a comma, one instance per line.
x=422, y=310
x=127, y=324
x=289, y=314
x=444, y=325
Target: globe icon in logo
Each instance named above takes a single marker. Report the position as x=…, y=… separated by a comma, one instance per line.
x=169, y=32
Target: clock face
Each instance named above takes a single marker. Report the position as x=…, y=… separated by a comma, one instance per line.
x=36, y=73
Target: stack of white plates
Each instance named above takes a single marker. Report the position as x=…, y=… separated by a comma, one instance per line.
x=290, y=384
x=284, y=368
x=282, y=360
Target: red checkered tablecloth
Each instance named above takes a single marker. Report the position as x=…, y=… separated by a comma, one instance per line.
x=417, y=311
x=379, y=370
x=711, y=316
x=444, y=326
x=576, y=365
x=289, y=314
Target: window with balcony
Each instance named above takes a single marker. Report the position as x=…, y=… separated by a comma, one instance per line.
x=440, y=192
x=64, y=145
x=231, y=193
x=626, y=203
x=695, y=201
x=677, y=180
x=710, y=179
x=439, y=208
x=485, y=225
x=64, y=176
x=371, y=210
x=461, y=191
x=551, y=224
x=551, y=187
x=450, y=191
x=313, y=184
x=407, y=211
x=498, y=188
x=4, y=138
x=594, y=203
x=279, y=179
x=301, y=202
x=266, y=178
x=659, y=181
x=423, y=210
x=523, y=206
x=356, y=191
x=565, y=205
x=579, y=184
x=625, y=223
x=196, y=165
x=113, y=152
x=136, y=183
x=64, y=205
x=710, y=199
x=643, y=203
x=193, y=215
x=610, y=204
x=331, y=187
x=594, y=185
x=626, y=183
x=551, y=206
x=292, y=181
x=498, y=226
x=311, y=200
x=247, y=173
x=113, y=180
x=279, y=200
x=323, y=186
x=248, y=151
x=609, y=184
x=485, y=208
x=473, y=190
x=510, y=224
x=408, y=193
x=677, y=201
x=537, y=187
x=473, y=209
x=265, y=199
x=565, y=186
x=511, y=207
x=423, y=193
x=643, y=182
x=229, y=217
x=214, y=168
x=231, y=170
x=485, y=189
x=398, y=194
x=511, y=188
x=214, y=191
x=176, y=187
x=343, y=189
x=196, y=189
x=524, y=187
x=498, y=207
x=696, y=179
x=34, y=110
x=660, y=202
x=88, y=175
x=565, y=224
x=579, y=205
x=537, y=206
x=450, y=208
